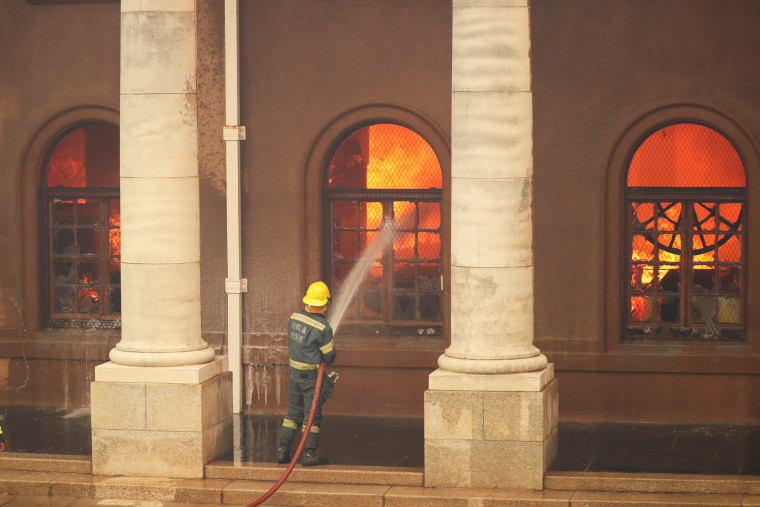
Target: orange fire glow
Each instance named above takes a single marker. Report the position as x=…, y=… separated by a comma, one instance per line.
x=88, y=291
x=67, y=162
x=389, y=157
x=686, y=155
x=401, y=159
x=114, y=234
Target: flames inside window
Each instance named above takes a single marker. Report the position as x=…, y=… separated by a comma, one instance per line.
x=388, y=172
x=83, y=234
x=686, y=199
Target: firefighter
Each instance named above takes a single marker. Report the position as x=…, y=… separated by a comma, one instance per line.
x=310, y=340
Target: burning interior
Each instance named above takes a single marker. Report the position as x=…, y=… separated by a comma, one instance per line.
x=686, y=198
x=387, y=172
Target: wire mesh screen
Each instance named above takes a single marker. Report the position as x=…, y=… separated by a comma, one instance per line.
x=686, y=155
x=685, y=255
x=87, y=156
x=385, y=156
x=403, y=285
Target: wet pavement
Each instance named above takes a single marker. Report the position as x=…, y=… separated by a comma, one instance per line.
x=345, y=440
x=721, y=449
x=398, y=442
x=46, y=430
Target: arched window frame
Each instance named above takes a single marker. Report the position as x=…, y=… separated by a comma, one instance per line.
x=104, y=290
x=682, y=202
x=315, y=233
x=77, y=344
x=390, y=201
x=704, y=357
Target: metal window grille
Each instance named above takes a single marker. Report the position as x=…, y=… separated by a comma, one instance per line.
x=83, y=232
x=388, y=172
x=686, y=244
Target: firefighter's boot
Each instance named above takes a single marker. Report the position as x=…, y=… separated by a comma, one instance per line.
x=286, y=438
x=310, y=458
x=283, y=454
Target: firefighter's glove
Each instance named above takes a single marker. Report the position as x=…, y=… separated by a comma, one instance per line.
x=328, y=385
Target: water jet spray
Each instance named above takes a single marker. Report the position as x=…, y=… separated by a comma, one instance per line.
x=359, y=273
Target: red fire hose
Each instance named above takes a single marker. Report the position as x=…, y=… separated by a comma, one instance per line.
x=314, y=401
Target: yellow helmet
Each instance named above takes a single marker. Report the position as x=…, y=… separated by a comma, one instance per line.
x=317, y=295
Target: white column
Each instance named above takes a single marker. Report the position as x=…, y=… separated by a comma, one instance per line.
x=491, y=407
x=161, y=308
x=163, y=406
x=491, y=191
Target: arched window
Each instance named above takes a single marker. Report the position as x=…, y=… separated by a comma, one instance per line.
x=387, y=172
x=80, y=213
x=685, y=254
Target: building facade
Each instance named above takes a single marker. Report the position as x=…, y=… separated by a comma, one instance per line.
x=531, y=219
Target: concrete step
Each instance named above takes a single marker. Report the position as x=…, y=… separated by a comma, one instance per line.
x=239, y=484
x=165, y=492
x=45, y=462
x=299, y=493
x=54, y=484
x=329, y=474
x=651, y=483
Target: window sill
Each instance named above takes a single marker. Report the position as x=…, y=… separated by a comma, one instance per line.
x=668, y=359
x=49, y=344
x=353, y=350
x=393, y=352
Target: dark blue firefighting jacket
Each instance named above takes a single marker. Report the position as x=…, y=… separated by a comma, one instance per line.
x=310, y=340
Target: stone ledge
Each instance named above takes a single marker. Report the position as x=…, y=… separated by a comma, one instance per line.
x=45, y=462
x=139, y=488
x=38, y=488
x=648, y=482
x=348, y=495
x=190, y=374
x=16, y=482
x=604, y=498
x=344, y=474
x=401, y=496
x=443, y=380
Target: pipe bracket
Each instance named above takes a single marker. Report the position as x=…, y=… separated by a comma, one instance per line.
x=235, y=285
x=233, y=133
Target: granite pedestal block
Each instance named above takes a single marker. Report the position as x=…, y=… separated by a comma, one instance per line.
x=160, y=421
x=492, y=437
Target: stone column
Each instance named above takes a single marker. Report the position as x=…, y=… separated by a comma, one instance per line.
x=491, y=410
x=163, y=406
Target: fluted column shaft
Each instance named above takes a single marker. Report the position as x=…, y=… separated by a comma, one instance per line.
x=491, y=191
x=161, y=308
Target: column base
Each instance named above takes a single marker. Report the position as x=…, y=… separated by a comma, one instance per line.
x=157, y=359
x=160, y=422
x=479, y=437
x=493, y=366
